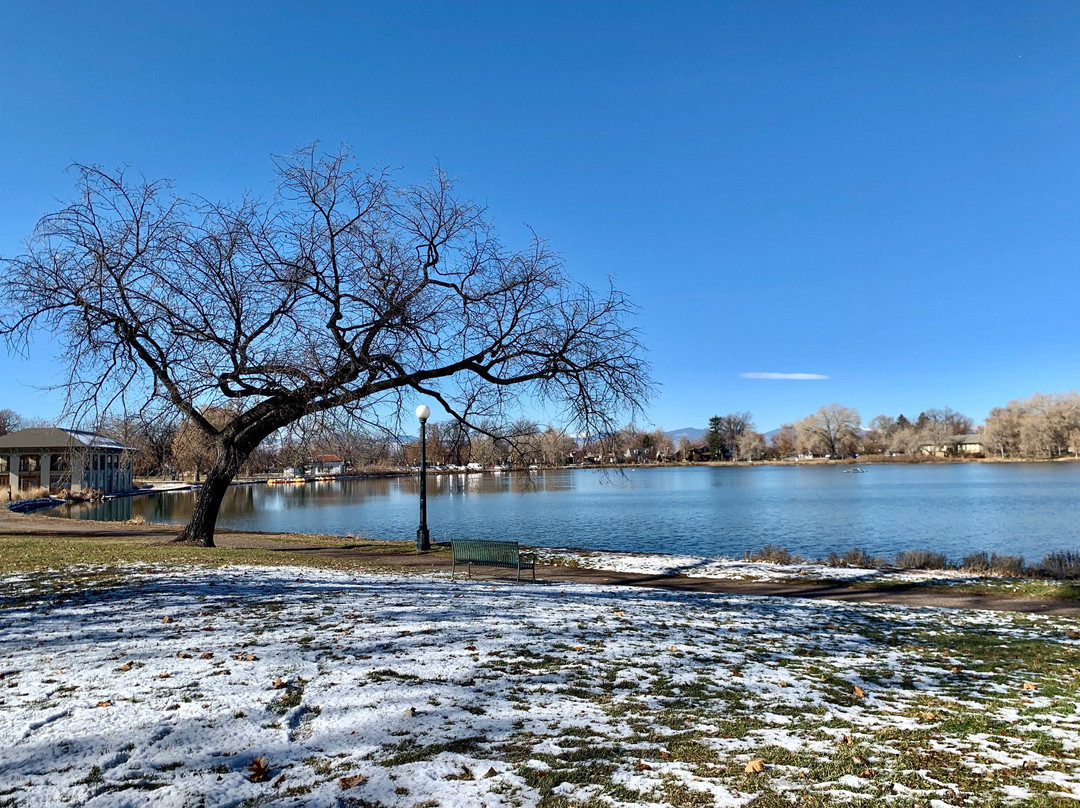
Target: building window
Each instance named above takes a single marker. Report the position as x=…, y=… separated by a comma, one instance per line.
x=3, y=464
x=60, y=462
x=28, y=464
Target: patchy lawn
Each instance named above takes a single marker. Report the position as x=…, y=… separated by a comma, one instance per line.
x=299, y=686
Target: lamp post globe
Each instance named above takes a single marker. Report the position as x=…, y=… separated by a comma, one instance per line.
x=423, y=538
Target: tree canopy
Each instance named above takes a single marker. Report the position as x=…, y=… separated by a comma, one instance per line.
x=343, y=291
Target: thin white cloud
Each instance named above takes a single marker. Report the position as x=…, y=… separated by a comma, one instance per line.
x=789, y=376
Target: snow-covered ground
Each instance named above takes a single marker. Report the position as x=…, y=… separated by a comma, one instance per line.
x=701, y=567
x=294, y=686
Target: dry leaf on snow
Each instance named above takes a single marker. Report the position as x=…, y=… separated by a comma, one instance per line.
x=350, y=782
x=260, y=770
x=755, y=767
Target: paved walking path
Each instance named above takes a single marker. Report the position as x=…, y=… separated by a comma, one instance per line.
x=371, y=555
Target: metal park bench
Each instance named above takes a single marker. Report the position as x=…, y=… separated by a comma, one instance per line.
x=484, y=553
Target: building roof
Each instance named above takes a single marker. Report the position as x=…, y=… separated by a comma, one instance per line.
x=328, y=459
x=53, y=438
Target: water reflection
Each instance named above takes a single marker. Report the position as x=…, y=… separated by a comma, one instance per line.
x=957, y=509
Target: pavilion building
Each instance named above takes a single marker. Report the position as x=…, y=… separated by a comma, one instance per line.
x=63, y=459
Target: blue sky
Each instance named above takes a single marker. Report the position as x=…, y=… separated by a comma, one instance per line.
x=884, y=194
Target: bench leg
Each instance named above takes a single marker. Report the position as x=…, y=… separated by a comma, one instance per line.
x=453, y=569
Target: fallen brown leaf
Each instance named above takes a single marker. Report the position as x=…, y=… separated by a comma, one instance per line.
x=106, y=703
x=183, y=655
x=859, y=692
x=126, y=666
x=351, y=781
x=206, y=655
x=642, y=766
x=166, y=619
x=260, y=770
x=280, y=683
x=164, y=675
x=488, y=774
x=755, y=767
x=245, y=657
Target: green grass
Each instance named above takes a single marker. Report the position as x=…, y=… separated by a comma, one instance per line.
x=22, y=553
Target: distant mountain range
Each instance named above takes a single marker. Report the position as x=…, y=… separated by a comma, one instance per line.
x=688, y=432
x=692, y=433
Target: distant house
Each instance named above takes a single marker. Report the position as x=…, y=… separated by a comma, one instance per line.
x=956, y=446
x=639, y=454
x=327, y=466
x=64, y=459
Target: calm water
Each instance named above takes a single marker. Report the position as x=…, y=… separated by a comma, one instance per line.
x=1019, y=509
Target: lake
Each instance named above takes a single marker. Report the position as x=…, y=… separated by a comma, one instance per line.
x=1024, y=509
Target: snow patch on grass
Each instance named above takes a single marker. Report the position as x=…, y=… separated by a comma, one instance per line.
x=120, y=687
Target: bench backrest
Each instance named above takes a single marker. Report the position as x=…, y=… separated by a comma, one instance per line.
x=485, y=550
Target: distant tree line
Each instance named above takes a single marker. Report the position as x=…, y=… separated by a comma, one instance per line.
x=1043, y=426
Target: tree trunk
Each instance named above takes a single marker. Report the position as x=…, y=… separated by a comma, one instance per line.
x=200, y=528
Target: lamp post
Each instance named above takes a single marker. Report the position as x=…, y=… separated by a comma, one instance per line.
x=423, y=540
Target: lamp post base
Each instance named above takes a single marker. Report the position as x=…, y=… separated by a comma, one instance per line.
x=423, y=539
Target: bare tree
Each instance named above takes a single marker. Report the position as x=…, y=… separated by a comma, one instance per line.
x=9, y=421
x=877, y=438
x=342, y=292
x=833, y=430
x=751, y=445
x=192, y=449
x=785, y=442
x=150, y=436
x=662, y=445
x=1001, y=431
x=555, y=446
